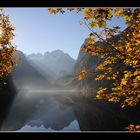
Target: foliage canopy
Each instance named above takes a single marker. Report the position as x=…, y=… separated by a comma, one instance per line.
x=6, y=47
x=125, y=51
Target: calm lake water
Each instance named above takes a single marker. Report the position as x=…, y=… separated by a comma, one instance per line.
x=61, y=111
x=41, y=112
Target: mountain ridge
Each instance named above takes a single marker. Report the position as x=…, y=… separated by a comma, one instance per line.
x=57, y=63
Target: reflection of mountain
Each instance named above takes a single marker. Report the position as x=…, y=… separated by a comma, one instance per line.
x=56, y=63
x=36, y=110
x=24, y=74
x=73, y=126
x=56, y=112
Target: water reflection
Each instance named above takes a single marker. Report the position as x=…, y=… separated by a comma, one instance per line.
x=73, y=126
x=64, y=112
x=41, y=112
x=7, y=95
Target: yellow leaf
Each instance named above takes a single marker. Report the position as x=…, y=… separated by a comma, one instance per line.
x=70, y=9
x=92, y=24
x=82, y=74
x=123, y=82
x=79, y=10
x=81, y=23
x=118, y=12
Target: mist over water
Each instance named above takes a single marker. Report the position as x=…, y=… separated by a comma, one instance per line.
x=41, y=103
x=41, y=112
x=39, y=99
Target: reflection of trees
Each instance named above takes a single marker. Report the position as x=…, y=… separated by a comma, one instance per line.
x=100, y=115
x=7, y=94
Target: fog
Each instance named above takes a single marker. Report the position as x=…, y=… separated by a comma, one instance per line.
x=48, y=99
x=45, y=73
x=44, y=87
x=52, y=65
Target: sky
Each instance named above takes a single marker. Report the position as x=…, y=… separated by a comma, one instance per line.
x=37, y=31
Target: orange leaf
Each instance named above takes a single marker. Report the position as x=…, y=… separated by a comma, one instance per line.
x=82, y=74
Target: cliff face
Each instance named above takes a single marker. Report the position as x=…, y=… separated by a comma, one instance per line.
x=88, y=85
x=85, y=60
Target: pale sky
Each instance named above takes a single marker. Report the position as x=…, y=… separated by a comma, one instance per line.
x=37, y=31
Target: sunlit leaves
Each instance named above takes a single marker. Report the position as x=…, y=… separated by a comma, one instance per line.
x=79, y=10
x=100, y=93
x=92, y=24
x=102, y=23
x=81, y=23
x=6, y=48
x=52, y=11
x=99, y=77
x=125, y=51
x=70, y=9
x=88, y=13
x=118, y=12
x=56, y=10
x=82, y=74
x=110, y=13
x=132, y=127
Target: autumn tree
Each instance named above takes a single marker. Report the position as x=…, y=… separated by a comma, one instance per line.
x=125, y=50
x=125, y=77
x=6, y=47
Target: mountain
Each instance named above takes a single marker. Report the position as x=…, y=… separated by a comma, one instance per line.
x=85, y=60
x=39, y=71
x=88, y=85
x=26, y=75
x=55, y=64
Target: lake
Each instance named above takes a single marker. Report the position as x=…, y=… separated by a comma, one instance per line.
x=62, y=111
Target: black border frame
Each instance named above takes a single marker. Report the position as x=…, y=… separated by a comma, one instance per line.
x=69, y=3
